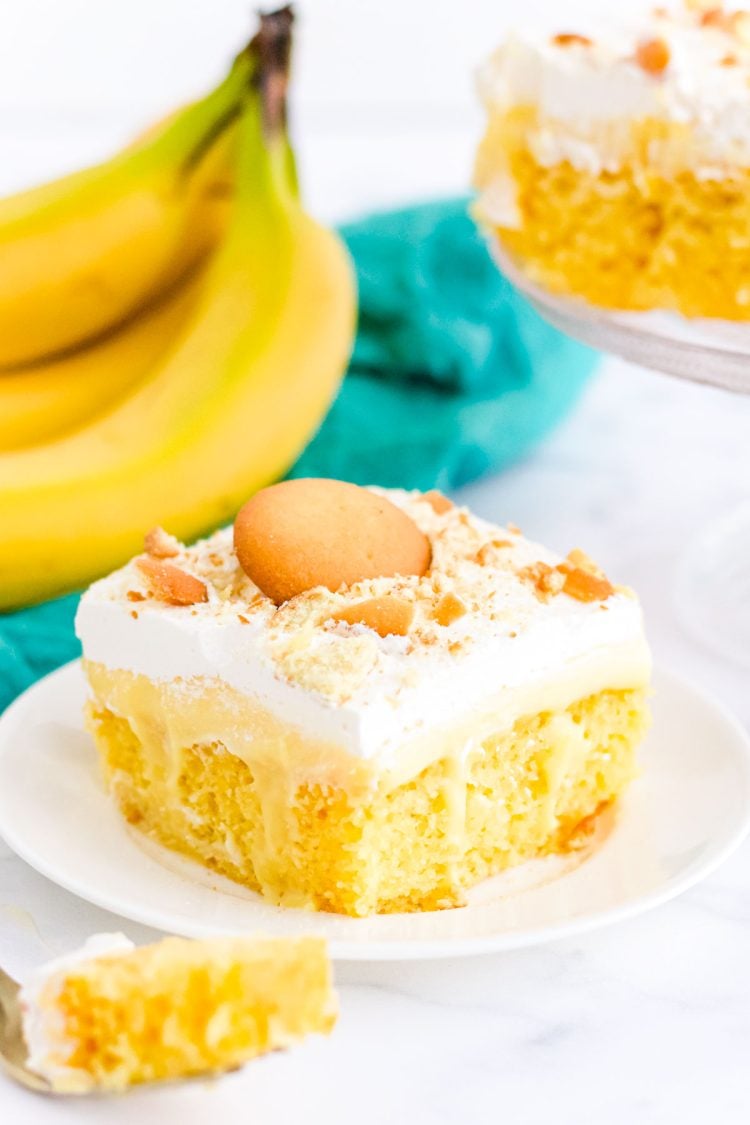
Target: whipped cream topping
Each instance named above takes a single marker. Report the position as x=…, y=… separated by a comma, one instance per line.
x=587, y=93
x=42, y=1024
x=347, y=685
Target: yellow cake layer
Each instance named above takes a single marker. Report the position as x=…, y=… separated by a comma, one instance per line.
x=181, y=1007
x=649, y=235
x=283, y=816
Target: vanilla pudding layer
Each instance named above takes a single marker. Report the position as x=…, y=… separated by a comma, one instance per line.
x=212, y=774
x=613, y=159
x=331, y=767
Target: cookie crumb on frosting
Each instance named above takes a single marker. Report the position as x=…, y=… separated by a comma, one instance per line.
x=160, y=544
x=169, y=584
x=332, y=641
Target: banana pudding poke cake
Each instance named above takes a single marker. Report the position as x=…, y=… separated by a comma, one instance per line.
x=616, y=162
x=363, y=700
x=112, y=1015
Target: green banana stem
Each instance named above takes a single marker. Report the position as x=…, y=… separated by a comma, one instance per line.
x=262, y=66
x=271, y=50
x=185, y=140
x=261, y=165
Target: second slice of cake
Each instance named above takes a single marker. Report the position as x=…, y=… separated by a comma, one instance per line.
x=616, y=162
x=380, y=745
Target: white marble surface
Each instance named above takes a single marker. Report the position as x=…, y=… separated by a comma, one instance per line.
x=648, y=1022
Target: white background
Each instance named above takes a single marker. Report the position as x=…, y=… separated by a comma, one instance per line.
x=648, y=1022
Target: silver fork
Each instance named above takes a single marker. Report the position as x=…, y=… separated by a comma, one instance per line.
x=14, y=1054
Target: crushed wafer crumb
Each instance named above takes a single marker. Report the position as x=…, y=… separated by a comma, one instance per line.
x=325, y=642
x=578, y=576
x=449, y=609
x=652, y=55
x=334, y=670
x=571, y=39
x=583, y=585
x=169, y=584
x=387, y=615
x=160, y=544
x=487, y=553
x=741, y=27
x=440, y=504
x=713, y=17
x=545, y=580
x=580, y=559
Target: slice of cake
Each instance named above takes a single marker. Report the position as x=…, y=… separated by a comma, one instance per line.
x=113, y=1015
x=363, y=701
x=616, y=162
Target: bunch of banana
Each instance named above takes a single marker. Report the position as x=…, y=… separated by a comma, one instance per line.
x=171, y=415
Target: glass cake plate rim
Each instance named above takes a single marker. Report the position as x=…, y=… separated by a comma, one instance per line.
x=673, y=829
x=714, y=353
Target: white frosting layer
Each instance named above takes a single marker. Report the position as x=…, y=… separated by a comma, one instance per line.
x=42, y=1027
x=397, y=689
x=587, y=94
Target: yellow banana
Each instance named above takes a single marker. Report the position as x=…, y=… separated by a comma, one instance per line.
x=41, y=402
x=80, y=255
x=228, y=408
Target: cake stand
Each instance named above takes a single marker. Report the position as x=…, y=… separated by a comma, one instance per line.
x=712, y=587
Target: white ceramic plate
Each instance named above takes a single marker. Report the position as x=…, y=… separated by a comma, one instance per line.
x=687, y=812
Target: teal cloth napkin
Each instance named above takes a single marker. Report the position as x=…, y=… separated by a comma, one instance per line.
x=453, y=375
